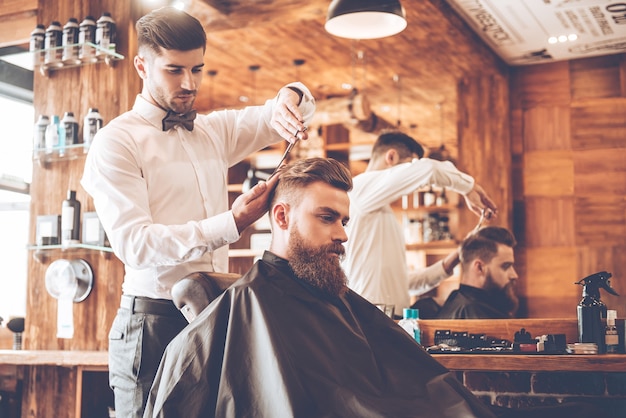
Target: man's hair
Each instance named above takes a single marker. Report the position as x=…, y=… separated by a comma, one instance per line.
x=298, y=175
x=405, y=145
x=170, y=28
x=483, y=244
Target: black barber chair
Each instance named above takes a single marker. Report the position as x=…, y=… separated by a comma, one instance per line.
x=194, y=292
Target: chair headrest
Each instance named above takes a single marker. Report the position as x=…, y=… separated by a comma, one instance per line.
x=194, y=292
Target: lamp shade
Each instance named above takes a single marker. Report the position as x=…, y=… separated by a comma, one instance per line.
x=365, y=19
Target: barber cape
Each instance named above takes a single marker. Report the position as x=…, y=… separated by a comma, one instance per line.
x=273, y=346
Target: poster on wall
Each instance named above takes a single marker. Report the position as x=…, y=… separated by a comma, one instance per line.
x=524, y=32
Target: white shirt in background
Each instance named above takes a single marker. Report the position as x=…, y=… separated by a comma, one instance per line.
x=375, y=262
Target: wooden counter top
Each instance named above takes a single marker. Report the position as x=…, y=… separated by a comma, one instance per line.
x=98, y=360
x=534, y=362
x=63, y=358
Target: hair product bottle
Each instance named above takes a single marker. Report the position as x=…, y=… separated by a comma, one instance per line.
x=70, y=220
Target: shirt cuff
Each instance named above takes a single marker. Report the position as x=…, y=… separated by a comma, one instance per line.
x=219, y=230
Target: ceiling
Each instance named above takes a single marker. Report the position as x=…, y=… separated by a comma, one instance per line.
x=408, y=80
x=410, y=77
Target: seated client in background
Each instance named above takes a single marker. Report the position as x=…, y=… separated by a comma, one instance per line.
x=487, y=277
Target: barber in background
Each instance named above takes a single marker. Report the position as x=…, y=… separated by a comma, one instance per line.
x=158, y=177
x=375, y=252
x=487, y=278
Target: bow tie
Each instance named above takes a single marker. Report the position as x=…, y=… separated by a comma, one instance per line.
x=172, y=119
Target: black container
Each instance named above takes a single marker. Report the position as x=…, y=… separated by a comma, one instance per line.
x=53, y=42
x=70, y=42
x=87, y=38
x=590, y=325
x=70, y=220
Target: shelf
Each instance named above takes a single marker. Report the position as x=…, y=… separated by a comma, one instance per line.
x=45, y=156
x=429, y=209
x=434, y=247
x=27, y=59
x=41, y=252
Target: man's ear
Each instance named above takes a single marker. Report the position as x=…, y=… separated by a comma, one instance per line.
x=140, y=66
x=391, y=157
x=480, y=270
x=280, y=215
x=479, y=266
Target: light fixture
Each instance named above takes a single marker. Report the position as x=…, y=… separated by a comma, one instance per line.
x=365, y=19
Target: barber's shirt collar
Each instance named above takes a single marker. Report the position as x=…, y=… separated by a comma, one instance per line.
x=150, y=112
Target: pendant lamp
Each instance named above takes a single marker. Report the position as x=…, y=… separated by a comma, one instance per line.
x=365, y=19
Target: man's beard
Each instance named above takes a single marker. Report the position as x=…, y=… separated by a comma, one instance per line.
x=504, y=298
x=316, y=267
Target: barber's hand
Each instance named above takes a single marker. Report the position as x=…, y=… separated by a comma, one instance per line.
x=477, y=200
x=253, y=204
x=287, y=119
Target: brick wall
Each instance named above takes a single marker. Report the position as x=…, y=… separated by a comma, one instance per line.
x=607, y=391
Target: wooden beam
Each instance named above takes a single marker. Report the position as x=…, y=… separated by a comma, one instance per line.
x=9, y=7
x=15, y=28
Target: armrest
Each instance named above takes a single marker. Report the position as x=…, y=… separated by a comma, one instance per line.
x=194, y=292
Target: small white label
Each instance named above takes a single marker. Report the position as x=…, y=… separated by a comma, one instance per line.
x=92, y=230
x=67, y=218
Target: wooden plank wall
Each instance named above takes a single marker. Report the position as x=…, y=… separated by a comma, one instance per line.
x=484, y=142
x=569, y=177
x=112, y=90
x=52, y=391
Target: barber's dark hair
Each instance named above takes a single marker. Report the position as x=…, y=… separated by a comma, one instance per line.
x=170, y=28
x=405, y=145
x=296, y=176
x=483, y=244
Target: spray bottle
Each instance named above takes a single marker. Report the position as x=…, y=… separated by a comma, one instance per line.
x=591, y=309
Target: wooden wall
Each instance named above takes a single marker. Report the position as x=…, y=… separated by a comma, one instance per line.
x=569, y=180
x=112, y=90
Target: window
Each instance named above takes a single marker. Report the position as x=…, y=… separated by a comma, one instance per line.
x=17, y=119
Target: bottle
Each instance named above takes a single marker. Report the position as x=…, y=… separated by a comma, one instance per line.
x=409, y=323
x=70, y=42
x=70, y=124
x=53, y=42
x=429, y=197
x=91, y=125
x=39, y=133
x=413, y=231
x=611, y=338
x=417, y=332
x=105, y=34
x=442, y=199
x=37, y=44
x=70, y=220
x=87, y=39
x=590, y=308
x=444, y=228
x=52, y=134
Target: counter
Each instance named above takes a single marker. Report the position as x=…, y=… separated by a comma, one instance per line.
x=521, y=380
x=535, y=362
x=45, y=383
x=89, y=360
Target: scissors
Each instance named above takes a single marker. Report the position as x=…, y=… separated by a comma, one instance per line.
x=484, y=215
x=287, y=151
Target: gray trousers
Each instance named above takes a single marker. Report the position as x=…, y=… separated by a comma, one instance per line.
x=136, y=344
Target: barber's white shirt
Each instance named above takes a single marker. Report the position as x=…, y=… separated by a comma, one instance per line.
x=162, y=197
x=375, y=262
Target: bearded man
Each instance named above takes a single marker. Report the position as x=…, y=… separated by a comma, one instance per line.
x=487, y=278
x=290, y=339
